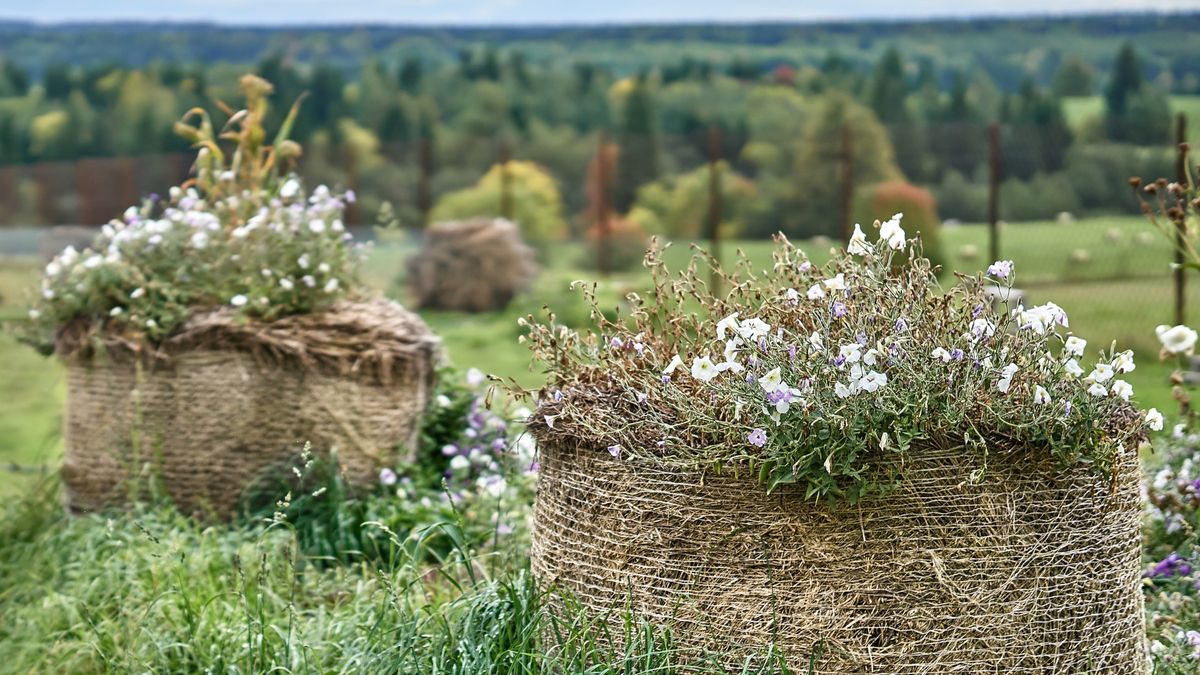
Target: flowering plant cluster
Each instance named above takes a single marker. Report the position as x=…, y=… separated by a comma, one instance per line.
x=807, y=375
x=1171, y=497
x=237, y=235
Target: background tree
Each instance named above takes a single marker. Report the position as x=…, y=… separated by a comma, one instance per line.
x=637, y=162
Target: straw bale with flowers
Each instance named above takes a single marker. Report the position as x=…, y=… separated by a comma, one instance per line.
x=475, y=265
x=847, y=465
x=209, y=335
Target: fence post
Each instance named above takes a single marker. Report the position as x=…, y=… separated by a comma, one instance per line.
x=993, y=134
x=603, y=190
x=1181, y=175
x=506, y=196
x=847, y=183
x=712, y=227
x=424, y=178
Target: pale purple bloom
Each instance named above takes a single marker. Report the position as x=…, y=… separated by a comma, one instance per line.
x=615, y=451
x=450, y=449
x=956, y=354
x=1001, y=269
x=757, y=438
x=901, y=325
x=503, y=529
x=616, y=342
x=666, y=379
x=1170, y=566
x=839, y=309
x=387, y=476
x=792, y=352
x=861, y=338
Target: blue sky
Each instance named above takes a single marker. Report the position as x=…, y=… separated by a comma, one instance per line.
x=544, y=11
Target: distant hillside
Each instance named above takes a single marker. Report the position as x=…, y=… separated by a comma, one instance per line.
x=1007, y=49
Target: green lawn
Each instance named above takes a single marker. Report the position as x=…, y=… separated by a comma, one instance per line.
x=1120, y=294
x=1082, y=110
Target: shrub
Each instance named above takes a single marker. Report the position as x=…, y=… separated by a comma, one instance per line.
x=917, y=204
x=802, y=374
x=959, y=197
x=625, y=245
x=678, y=207
x=537, y=205
x=474, y=265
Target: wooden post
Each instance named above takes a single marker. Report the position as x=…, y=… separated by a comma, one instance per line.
x=847, y=183
x=603, y=188
x=712, y=226
x=1181, y=176
x=424, y=179
x=993, y=133
x=506, y=195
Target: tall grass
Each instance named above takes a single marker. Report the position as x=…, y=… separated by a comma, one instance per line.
x=154, y=591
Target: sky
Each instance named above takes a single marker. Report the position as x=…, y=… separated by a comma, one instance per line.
x=491, y=12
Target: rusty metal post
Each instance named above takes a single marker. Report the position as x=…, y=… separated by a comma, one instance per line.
x=1181, y=176
x=847, y=183
x=712, y=227
x=994, y=167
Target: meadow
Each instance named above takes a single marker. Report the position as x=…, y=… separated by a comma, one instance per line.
x=454, y=595
x=1118, y=295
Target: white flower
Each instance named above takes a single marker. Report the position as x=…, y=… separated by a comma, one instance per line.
x=891, y=232
x=1006, y=377
x=815, y=292
x=137, y=293
x=1176, y=340
x=1040, y=395
x=53, y=268
x=34, y=314
x=199, y=240
x=1075, y=346
x=475, y=377
x=48, y=293
x=316, y=225
x=1123, y=362
x=704, y=369
x=941, y=353
x=302, y=261
x=290, y=188
x=841, y=390
x=1177, y=431
x=93, y=261
x=753, y=329
x=331, y=285
x=323, y=268
x=872, y=381
x=676, y=362
x=1097, y=389
x=1123, y=389
x=1073, y=368
x=815, y=341
x=309, y=280
x=1101, y=373
x=728, y=323
x=731, y=349
x=729, y=365
x=238, y=300
x=460, y=463
x=981, y=328
x=151, y=323
x=772, y=381
x=858, y=242
x=870, y=357
x=792, y=295
x=837, y=283
x=1001, y=269
x=850, y=353
x=286, y=284
x=1154, y=419
x=115, y=311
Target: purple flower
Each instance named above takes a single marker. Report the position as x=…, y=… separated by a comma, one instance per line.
x=615, y=451
x=750, y=379
x=792, y=352
x=387, y=476
x=956, y=354
x=839, y=309
x=503, y=529
x=977, y=311
x=839, y=361
x=450, y=449
x=1001, y=269
x=757, y=438
x=616, y=342
x=1170, y=566
x=861, y=338
x=762, y=344
x=666, y=379
x=901, y=325
x=780, y=395
x=557, y=395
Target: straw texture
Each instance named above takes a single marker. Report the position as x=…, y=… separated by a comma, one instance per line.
x=212, y=408
x=476, y=265
x=1026, y=570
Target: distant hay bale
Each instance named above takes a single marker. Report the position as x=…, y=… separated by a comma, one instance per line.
x=476, y=265
x=1005, y=564
x=224, y=402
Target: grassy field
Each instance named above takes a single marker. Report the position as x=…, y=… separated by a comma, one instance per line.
x=1120, y=294
x=1082, y=110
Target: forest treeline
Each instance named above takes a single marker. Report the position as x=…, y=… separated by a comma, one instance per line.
x=420, y=117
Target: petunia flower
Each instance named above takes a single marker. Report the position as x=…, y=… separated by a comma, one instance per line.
x=850, y=353
x=815, y=292
x=837, y=283
x=771, y=381
x=757, y=438
x=387, y=476
x=1123, y=389
x=858, y=242
x=941, y=354
x=1097, y=389
x=728, y=323
x=1154, y=419
x=1103, y=372
x=1072, y=368
x=1075, y=345
x=891, y=232
x=1176, y=340
x=1040, y=395
x=704, y=369
x=1123, y=362
x=1001, y=269
x=1006, y=376
x=872, y=381
x=676, y=362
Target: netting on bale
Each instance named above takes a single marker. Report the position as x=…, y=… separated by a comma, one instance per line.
x=1030, y=570
x=223, y=401
x=475, y=265
x=848, y=465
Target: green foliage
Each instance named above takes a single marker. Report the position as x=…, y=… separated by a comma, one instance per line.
x=1074, y=78
x=637, y=161
x=920, y=211
x=535, y=197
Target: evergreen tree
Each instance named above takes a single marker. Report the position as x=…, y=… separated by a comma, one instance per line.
x=637, y=163
x=1126, y=79
x=1074, y=78
x=57, y=81
x=411, y=73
